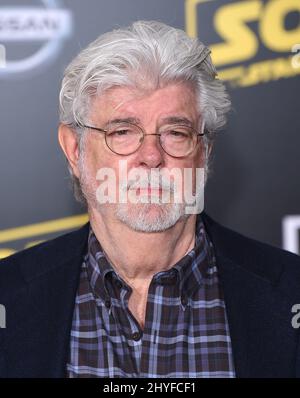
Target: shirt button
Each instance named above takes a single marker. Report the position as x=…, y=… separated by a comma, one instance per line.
x=136, y=336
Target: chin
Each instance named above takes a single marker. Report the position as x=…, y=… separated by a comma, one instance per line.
x=150, y=217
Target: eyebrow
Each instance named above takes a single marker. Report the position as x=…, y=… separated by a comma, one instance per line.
x=178, y=120
x=169, y=119
x=132, y=120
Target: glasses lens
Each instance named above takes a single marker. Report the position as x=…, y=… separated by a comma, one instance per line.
x=178, y=141
x=124, y=138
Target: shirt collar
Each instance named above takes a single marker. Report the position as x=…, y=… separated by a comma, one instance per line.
x=98, y=267
x=189, y=272
x=197, y=265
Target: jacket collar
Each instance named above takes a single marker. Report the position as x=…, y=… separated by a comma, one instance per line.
x=258, y=303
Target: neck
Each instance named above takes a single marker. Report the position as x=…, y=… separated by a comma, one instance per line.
x=155, y=252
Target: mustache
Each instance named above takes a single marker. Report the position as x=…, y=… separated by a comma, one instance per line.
x=157, y=182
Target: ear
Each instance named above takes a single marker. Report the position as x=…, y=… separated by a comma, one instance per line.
x=69, y=143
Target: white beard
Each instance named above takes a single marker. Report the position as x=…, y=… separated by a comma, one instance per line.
x=149, y=217
x=139, y=216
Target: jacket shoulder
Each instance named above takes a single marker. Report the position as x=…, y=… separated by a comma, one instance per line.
x=260, y=258
x=33, y=262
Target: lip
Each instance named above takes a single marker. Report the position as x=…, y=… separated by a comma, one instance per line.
x=149, y=191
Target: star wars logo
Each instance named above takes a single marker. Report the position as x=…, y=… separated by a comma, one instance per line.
x=250, y=29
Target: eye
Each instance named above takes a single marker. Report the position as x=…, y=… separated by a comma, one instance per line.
x=119, y=133
x=180, y=134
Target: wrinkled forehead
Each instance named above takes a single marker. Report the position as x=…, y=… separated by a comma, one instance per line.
x=174, y=99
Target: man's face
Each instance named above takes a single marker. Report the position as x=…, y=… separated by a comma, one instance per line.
x=150, y=111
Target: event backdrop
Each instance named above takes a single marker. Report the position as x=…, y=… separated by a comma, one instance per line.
x=255, y=184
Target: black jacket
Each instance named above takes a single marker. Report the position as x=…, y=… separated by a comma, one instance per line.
x=260, y=284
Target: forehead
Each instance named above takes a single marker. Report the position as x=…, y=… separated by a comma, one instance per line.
x=172, y=100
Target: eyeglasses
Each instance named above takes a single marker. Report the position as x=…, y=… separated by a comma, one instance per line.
x=126, y=138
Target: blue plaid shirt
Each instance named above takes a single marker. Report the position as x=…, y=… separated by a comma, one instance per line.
x=186, y=330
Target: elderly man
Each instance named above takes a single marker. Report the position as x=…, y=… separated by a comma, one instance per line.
x=146, y=288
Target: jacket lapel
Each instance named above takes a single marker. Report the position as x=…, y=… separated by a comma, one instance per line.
x=264, y=343
x=40, y=314
x=263, y=340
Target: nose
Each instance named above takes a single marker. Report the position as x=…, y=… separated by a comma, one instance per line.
x=150, y=152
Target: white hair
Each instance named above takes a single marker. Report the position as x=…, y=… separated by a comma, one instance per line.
x=145, y=55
